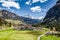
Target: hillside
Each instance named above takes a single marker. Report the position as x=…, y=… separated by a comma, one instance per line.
x=52, y=18
x=2, y=22
x=12, y=16
x=30, y=20
x=9, y=15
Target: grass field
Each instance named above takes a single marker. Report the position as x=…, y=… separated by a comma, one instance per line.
x=24, y=35
x=19, y=35
x=50, y=37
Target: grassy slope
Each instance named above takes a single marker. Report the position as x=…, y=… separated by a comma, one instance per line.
x=19, y=35
x=50, y=37
x=13, y=21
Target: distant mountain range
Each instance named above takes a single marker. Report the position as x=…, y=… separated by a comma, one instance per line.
x=9, y=15
x=30, y=20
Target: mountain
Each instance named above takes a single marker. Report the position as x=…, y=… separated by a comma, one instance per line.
x=9, y=15
x=52, y=17
x=30, y=20
x=2, y=22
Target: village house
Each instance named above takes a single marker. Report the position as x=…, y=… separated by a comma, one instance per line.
x=24, y=27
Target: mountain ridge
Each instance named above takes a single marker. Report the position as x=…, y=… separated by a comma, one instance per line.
x=52, y=18
x=9, y=15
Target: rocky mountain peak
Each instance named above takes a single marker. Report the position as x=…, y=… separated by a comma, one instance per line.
x=58, y=2
x=53, y=13
x=52, y=18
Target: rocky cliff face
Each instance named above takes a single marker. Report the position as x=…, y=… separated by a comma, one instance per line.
x=53, y=14
x=52, y=18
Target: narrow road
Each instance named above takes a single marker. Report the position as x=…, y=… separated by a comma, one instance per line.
x=48, y=32
x=39, y=37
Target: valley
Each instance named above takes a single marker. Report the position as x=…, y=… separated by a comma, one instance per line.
x=15, y=27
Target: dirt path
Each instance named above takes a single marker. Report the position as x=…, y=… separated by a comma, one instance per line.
x=48, y=32
x=39, y=37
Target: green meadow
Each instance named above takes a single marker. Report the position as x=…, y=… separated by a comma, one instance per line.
x=24, y=35
x=50, y=37
x=19, y=34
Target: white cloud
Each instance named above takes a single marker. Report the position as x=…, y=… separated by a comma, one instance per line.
x=41, y=17
x=8, y=0
x=39, y=0
x=9, y=4
x=36, y=9
x=28, y=2
x=34, y=1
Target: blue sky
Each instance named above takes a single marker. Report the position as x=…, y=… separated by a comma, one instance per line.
x=36, y=9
